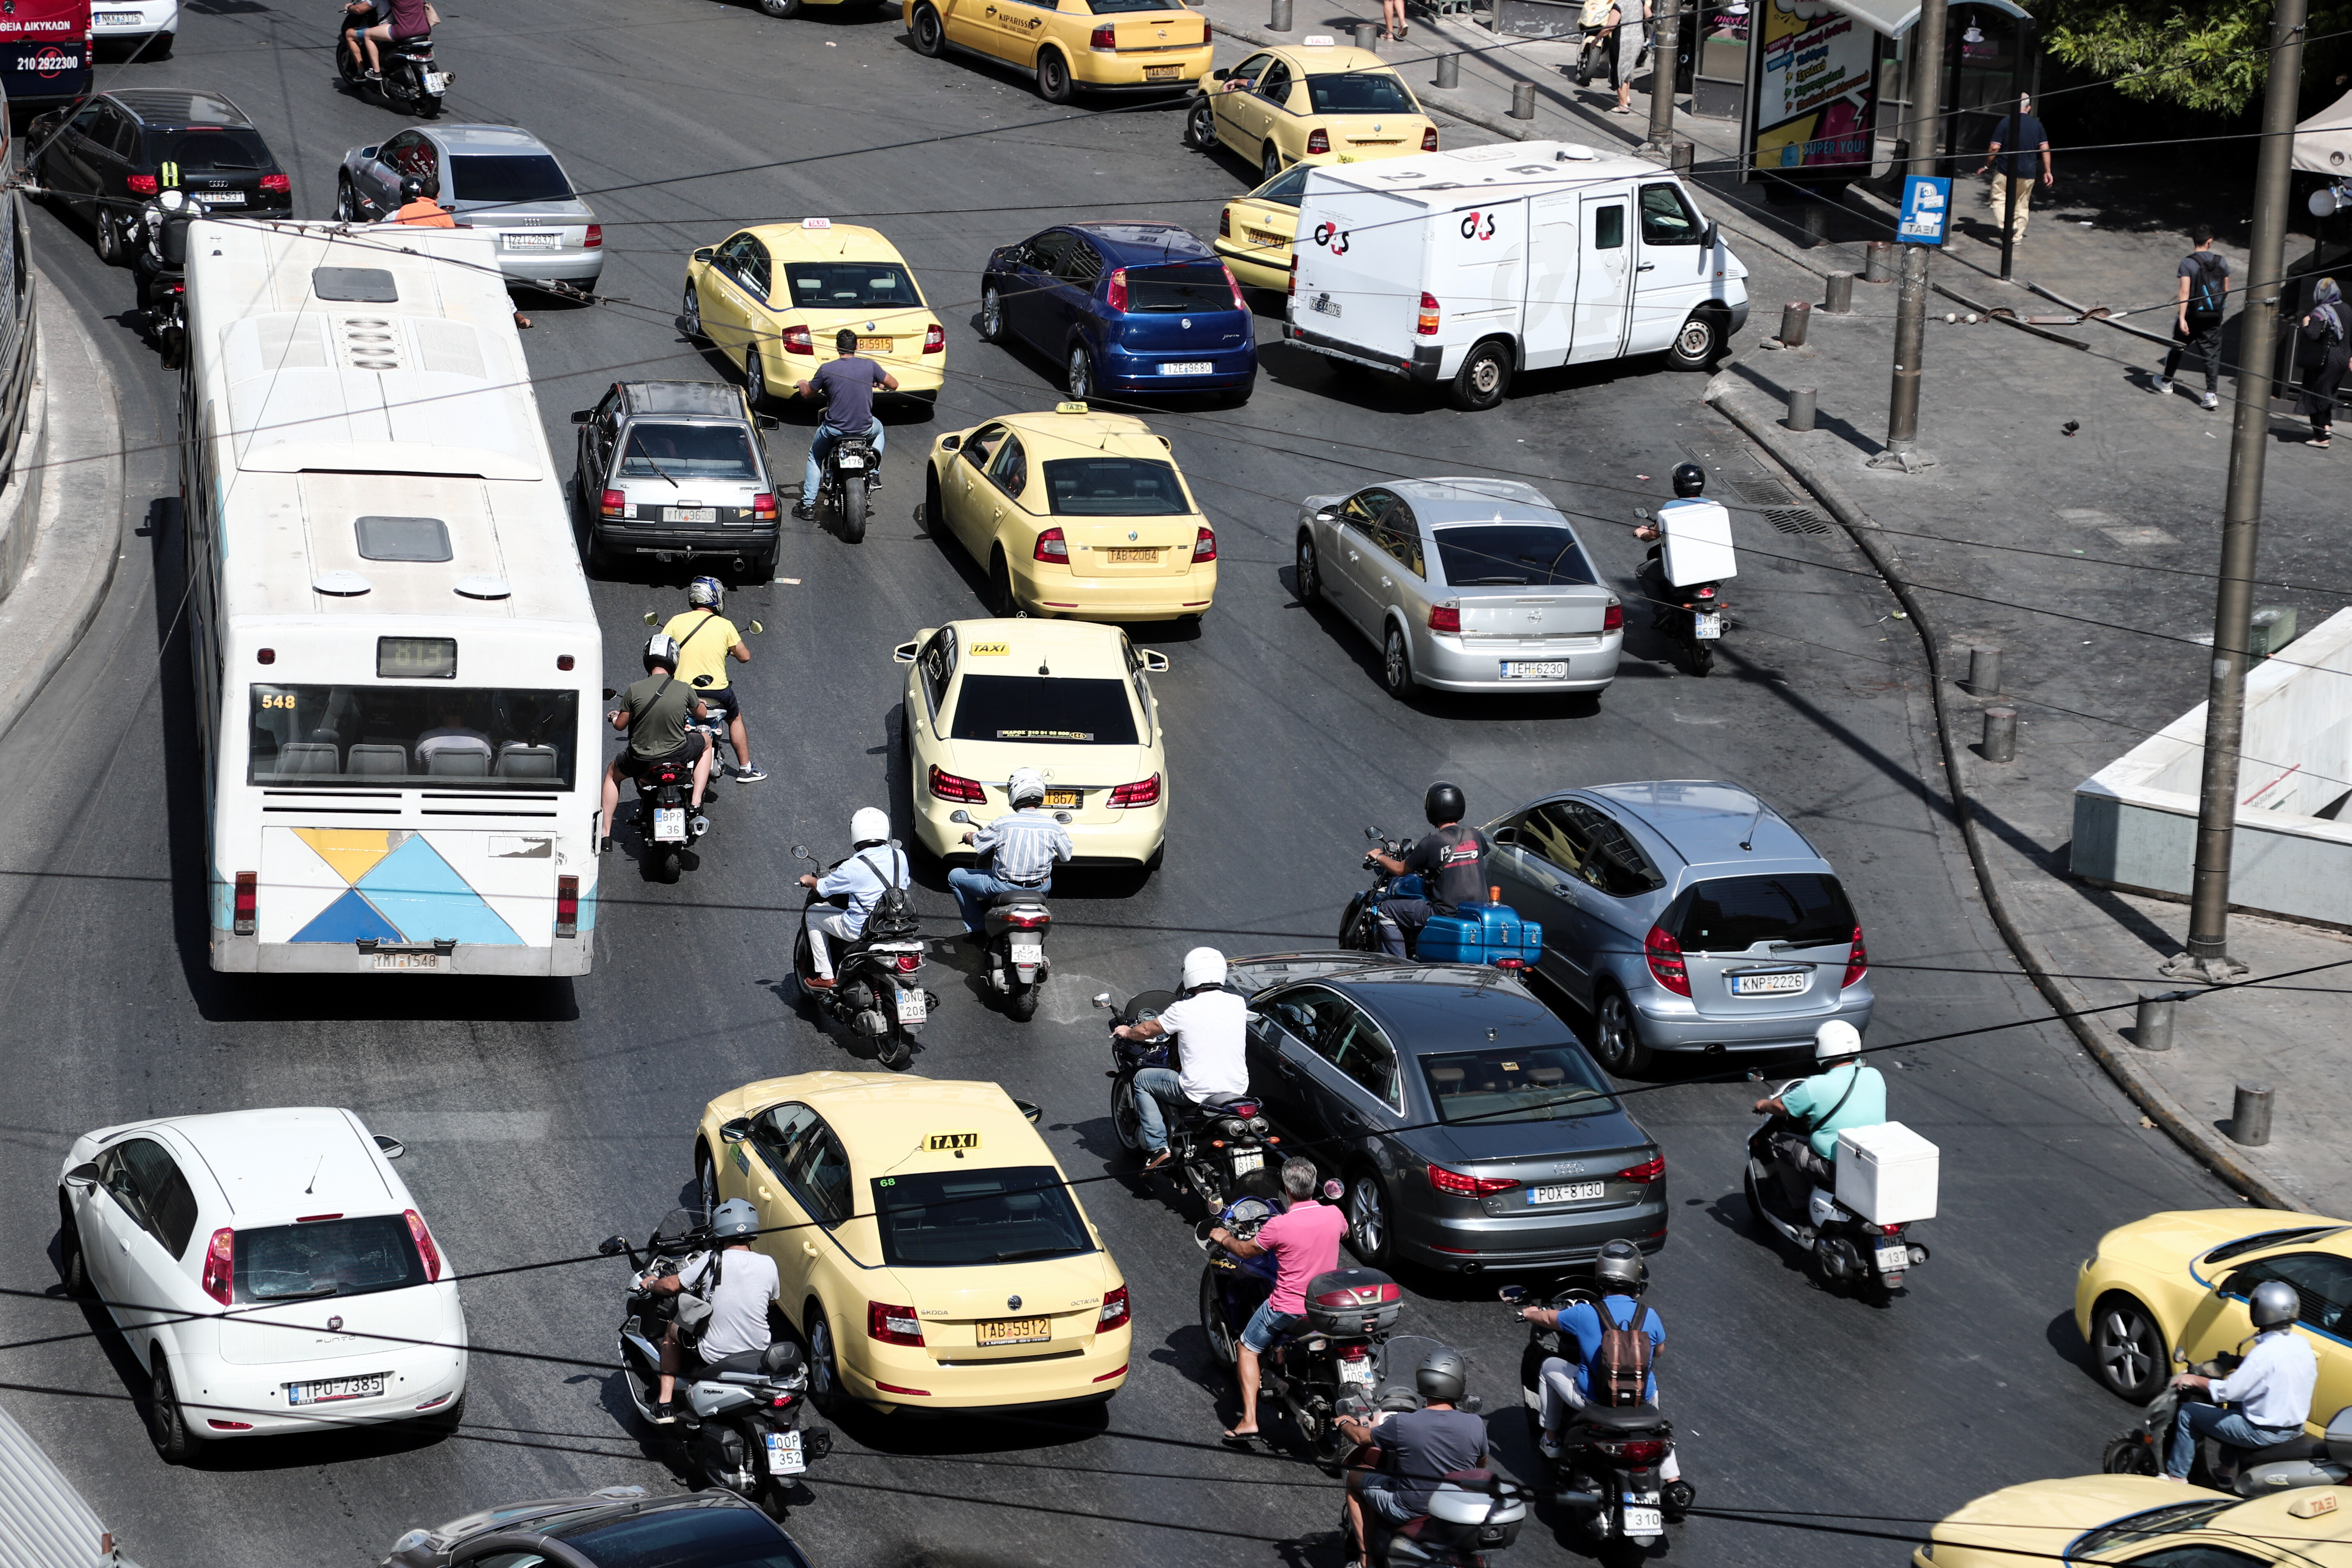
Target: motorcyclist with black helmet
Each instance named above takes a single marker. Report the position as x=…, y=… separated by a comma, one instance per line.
x=738, y=1284
x=1413, y=1450
x=654, y=715
x=1567, y=1383
x=2272, y=1388
x=1690, y=484
x=1451, y=863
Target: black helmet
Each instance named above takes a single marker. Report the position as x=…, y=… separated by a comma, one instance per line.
x=1442, y=1375
x=845, y=342
x=1443, y=803
x=1690, y=479
x=2273, y=1305
x=1620, y=1269
x=411, y=188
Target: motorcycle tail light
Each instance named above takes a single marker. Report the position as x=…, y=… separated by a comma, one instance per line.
x=1113, y=1310
x=141, y=184
x=1429, y=139
x=1240, y=301
x=425, y=1247
x=1445, y=617
x=614, y=504
x=596, y=239
x=1613, y=619
x=1245, y=1109
x=1103, y=38
x=567, y=905
x=1667, y=966
x=1650, y=1170
x=909, y=961
x=763, y=508
x=1353, y=1352
x=1890, y=1230
x=1641, y=1451
x=248, y=884
x=1463, y=1186
x=796, y=341
x=220, y=1266
x=935, y=339
x=893, y=1325
x=946, y=785
x=1705, y=593
x=1029, y=922
x=278, y=184
x=1115, y=291
x=1857, y=961
x=1425, y=324
x=1052, y=546
x=1204, y=545
x=1317, y=140
x=1142, y=792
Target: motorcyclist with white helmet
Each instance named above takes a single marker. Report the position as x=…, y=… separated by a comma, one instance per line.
x=1022, y=847
x=1210, y=1026
x=655, y=714
x=707, y=640
x=856, y=885
x=1846, y=1094
x=739, y=1284
x=2272, y=1387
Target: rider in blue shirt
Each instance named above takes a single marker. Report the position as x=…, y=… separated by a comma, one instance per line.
x=1567, y=1384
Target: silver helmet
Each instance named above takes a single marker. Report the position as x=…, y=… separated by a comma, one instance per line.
x=2273, y=1305
x=735, y=1220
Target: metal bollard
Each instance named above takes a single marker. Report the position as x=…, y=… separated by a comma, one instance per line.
x=1280, y=21
x=1449, y=70
x=1878, y=262
x=2152, y=1022
x=2249, y=1115
x=2001, y=735
x=1817, y=224
x=1838, y=297
x=1364, y=32
x=1795, y=317
x=1800, y=408
x=1984, y=671
x=1523, y=101
x=1682, y=157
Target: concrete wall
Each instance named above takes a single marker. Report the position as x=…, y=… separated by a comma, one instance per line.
x=44, y=1522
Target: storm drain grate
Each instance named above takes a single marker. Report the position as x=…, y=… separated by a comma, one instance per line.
x=1797, y=519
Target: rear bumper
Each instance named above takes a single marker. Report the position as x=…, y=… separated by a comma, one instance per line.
x=1681, y=1027
x=636, y=539
x=1504, y=1241
x=1061, y=593
x=233, y=954
x=1425, y=364
x=561, y=266
x=1127, y=843
x=1122, y=371
x=1123, y=73
x=1442, y=663
x=1089, y=1377
x=211, y=1389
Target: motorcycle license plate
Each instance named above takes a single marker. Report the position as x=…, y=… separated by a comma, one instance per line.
x=1894, y=1259
x=849, y=463
x=1356, y=1372
x=1028, y=952
x=669, y=825
x=876, y=345
x=1185, y=367
x=1248, y=1160
x=1567, y=1192
x=1706, y=625
x=1644, y=1520
x=367, y=1385
x=1539, y=670
x=1015, y=1332
x=550, y=240
x=690, y=514
x=1061, y=800
x=913, y=1007
x=434, y=81
x=784, y=1456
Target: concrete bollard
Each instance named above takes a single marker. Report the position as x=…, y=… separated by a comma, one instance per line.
x=1984, y=671
x=2152, y=1021
x=1795, y=317
x=1878, y=262
x=1682, y=157
x=1364, y=35
x=2001, y=735
x=1800, y=408
x=2249, y=1115
x=1523, y=101
x=1837, y=298
x=1280, y=21
x=1817, y=224
x=1449, y=70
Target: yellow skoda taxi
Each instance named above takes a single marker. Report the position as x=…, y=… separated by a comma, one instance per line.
x=2126, y=1520
x=1066, y=698
x=1311, y=102
x=1074, y=514
x=1255, y=233
x=1072, y=46
x=772, y=297
x=932, y=1256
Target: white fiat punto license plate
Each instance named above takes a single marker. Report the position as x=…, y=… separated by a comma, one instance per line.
x=1566, y=1192
x=1185, y=367
x=327, y=1391
x=1775, y=985
x=1644, y=1520
x=784, y=1456
x=1894, y=1259
x=913, y=1007
x=1539, y=669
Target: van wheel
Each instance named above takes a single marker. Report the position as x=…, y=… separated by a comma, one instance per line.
x=1200, y=127
x=1697, y=345
x=1396, y=663
x=1054, y=84
x=1616, y=1045
x=1269, y=163
x=930, y=38
x=1483, y=377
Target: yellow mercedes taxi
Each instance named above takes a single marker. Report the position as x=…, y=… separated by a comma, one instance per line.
x=1074, y=514
x=1255, y=233
x=774, y=297
x=2181, y=1280
x=1072, y=46
x=1311, y=102
x=1070, y=698
x=935, y=1258
x=2143, y=1519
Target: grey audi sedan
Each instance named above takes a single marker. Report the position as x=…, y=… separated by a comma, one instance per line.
x=1463, y=585
x=498, y=178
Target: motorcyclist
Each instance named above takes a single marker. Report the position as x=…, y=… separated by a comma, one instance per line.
x=1304, y=1241
x=161, y=252
x=1848, y=1093
x=1567, y=1380
x=1690, y=489
x=1022, y=847
x=398, y=21
x=1415, y=1451
x=845, y=386
x=1210, y=1025
x=707, y=640
x=653, y=714
x=420, y=204
x=1451, y=863
x=858, y=882
x=2272, y=1387
x=741, y=1286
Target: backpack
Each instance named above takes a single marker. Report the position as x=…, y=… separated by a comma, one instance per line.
x=1621, y=1367
x=892, y=917
x=2205, y=296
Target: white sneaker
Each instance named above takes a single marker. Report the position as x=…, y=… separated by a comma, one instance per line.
x=2161, y=386
x=2209, y=400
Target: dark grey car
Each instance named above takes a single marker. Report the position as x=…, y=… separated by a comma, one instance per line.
x=1471, y=1129
x=677, y=470
x=619, y=1527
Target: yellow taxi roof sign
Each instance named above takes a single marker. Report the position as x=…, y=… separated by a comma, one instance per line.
x=991, y=650
x=817, y=222
x=1319, y=41
x=940, y=1142
x=1069, y=408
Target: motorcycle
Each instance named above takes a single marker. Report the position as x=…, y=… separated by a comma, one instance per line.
x=1691, y=614
x=1842, y=1248
x=1592, y=58
x=1213, y=1145
x=849, y=471
x=712, y=725
x=1474, y=1516
x=1360, y=928
x=665, y=814
x=410, y=81
x=1012, y=930
x=158, y=262
x=1608, y=1472
x=739, y=1418
x=1490, y=934
x=2323, y=1461
x=875, y=993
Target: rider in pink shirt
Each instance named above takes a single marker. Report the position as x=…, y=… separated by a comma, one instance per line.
x=1304, y=1241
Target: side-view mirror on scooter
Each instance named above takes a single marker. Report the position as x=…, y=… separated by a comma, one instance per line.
x=735, y=1132
x=755, y=628
x=1102, y=999
x=1641, y=512
x=610, y=694
x=613, y=1245
x=800, y=851
x=652, y=619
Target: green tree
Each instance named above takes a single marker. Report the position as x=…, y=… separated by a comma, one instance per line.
x=2201, y=54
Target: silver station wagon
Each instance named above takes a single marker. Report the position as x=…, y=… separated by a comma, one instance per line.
x=677, y=470
x=1465, y=584
x=494, y=177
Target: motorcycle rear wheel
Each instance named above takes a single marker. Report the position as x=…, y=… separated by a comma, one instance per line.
x=665, y=866
x=894, y=1049
x=1021, y=1005
x=1702, y=657
x=853, y=510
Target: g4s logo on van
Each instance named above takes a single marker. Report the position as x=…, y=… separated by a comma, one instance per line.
x=1331, y=238
x=1478, y=225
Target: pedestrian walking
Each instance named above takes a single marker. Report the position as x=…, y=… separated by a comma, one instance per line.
x=2324, y=326
x=2204, y=292
x=1393, y=23
x=2017, y=155
x=1629, y=23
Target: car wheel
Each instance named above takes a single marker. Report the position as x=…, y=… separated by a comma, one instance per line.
x=1697, y=345
x=1200, y=127
x=167, y=1425
x=705, y=1180
x=106, y=238
x=1269, y=163
x=347, y=200
x=1483, y=377
x=1214, y=1325
x=1367, y=1220
x=1082, y=373
x=991, y=315
x=782, y=10
x=1001, y=602
x=73, y=1265
x=444, y=1422
x=1234, y=397
x=2127, y=1349
x=1054, y=84
x=930, y=38
x=690, y=311
x=1310, y=577
x=755, y=378
x=824, y=1366
x=1616, y=1043
x=1396, y=663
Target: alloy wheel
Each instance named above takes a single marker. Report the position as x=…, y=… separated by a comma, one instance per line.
x=1396, y=663
x=1201, y=125
x=1615, y=1043
x=824, y=1375
x=705, y=1180
x=1368, y=1219
x=1310, y=587
x=2127, y=1348
x=1269, y=163
x=991, y=315
x=691, y=312
x=755, y=378
x=1082, y=374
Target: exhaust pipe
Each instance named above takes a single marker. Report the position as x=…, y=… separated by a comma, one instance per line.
x=1473, y=1268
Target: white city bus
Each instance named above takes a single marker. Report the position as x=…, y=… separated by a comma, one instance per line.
x=396, y=664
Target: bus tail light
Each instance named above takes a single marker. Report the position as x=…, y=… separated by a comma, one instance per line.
x=220, y=1266
x=1317, y=140
x=266, y=655
x=249, y=886
x=567, y=905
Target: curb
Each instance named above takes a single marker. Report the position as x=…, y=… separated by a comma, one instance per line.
x=2189, y=1131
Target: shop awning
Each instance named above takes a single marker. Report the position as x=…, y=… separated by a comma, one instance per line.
x=2322, y=144
x=1894, y=17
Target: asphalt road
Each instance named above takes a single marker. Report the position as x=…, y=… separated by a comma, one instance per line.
x=690, y=118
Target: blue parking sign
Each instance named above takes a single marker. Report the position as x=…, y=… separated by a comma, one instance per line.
x=1927, y=209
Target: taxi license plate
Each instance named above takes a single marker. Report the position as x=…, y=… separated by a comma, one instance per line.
x=550, y=240
x=1768, y=984
x=669, y=825
x=221, y=198
x=1162, y=73
x=1894, y=1259
x=1566, y=1192
x=1539, y=669
x=876, y=345
x=913, y=1007
x=1262, y=237
x=1644, y=1520
x=408, y=961
x=784, y=1456
x=690, y=514
x=1062, y=799
x=1016, y=1331
x=327, y=1391
x=1120, y=555
x=1185, y=367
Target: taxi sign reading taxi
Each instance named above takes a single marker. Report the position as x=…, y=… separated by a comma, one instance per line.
x=1927, y=209
x=939, y=1143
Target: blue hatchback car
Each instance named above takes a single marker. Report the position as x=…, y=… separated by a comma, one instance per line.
x=1124, y=308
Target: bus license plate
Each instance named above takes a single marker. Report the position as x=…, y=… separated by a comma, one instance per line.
x=1894, y=1259
x=1706, y=625
x=367, y=1385
x=1541, y=669
x=784, y=1456
x=690, y=514
x=1016, y=1331
x=669, y=825
x=1185, y=367
x=1567, y=1192
x=408, y=961
x=1061, y=800
x=1768, y=984
x=876, y=345
x=550, y=240
x=1644, y=1520
x=913, y=1007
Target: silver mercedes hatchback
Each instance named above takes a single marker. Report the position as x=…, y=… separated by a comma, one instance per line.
x=498, y=178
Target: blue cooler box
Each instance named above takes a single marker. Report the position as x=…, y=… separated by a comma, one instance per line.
x=1480, y=933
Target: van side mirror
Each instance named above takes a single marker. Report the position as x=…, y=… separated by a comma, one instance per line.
x=903, y=654
x=950, y=443
x=392, y=1148
x=83, y=1177
x=1153, y=662
x=581, y=415
x=735, y=1132
x=1714, y=235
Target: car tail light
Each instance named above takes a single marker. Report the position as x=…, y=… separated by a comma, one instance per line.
x=763, y=508
x=1113, y=1310
x=909, y=961
x=1426, y=326
x=248, y=884
x=893, y=1325
x=314, y=1218
x=567, y=905
x=935, y=339
x=1103, y=38
x=1667, y=966
x=1445, y=617
x=1613, y=619
x=946, y=785
x=1204, y=545
x=1224, y=223
x=1429, y=139
x=1857, y=962
x=894, y=1388
x=1241, y=300
x=435, y=1403
x=1052, y=546
x=595, y=236
x=1650, y=1170
x=796, y=341
x=425, y=1247
x=1463, y=1186
x=142, y=185
x=277, y=185
x=1142, y=792
x=1115, y=293
x=220, y=1266
x=614, y=504
x=1319, y=141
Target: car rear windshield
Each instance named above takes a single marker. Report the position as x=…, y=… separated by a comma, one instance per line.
x=704, y=1537
x=1545, y=1084
x=327, y=1257
x=1732, y=914
x=1513, y=554
x=961, y=1219
x=688, y=451
x=506, y=177
x=1195, y=285
x=850, y=285
x=1042, y=709
x=377, y=737
x=1114, y=487
x=1359, y=92
x=223, y=152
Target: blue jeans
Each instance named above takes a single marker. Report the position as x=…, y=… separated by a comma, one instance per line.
x=1153, y=1085
x=2191, y=1422
x=973, y=888
x=821, y=442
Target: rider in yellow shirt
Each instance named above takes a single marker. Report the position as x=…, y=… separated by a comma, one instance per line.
x=706, y=640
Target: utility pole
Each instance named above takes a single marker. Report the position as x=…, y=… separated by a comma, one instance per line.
x=1920, y=130
x=2208, y=957
x=1665, y=68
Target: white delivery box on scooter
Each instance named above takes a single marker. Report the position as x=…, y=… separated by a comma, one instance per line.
x=1886, y=1173
x=1695, y=542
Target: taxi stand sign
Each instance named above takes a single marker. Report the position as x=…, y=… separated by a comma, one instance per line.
x=1927, y=209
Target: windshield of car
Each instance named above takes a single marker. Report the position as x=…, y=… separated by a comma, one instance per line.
x=1514, y=1084
x=850, y=285
x=505, y=177
x=380, y=736
x=1289, y=187
x=2262, y=1240
x=224, y=152
x=1732, y=914
x=956, y=1219
x=680, y=452
x=2169, y=1520
x=705, y=1537
x=1045, y=709
x=1359, y=92
x=1515, y=554
x=325, y=1257
x=1114, y=487
x=1196, y=286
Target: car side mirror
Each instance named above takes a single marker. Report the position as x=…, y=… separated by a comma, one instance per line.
x=392, y=1148
x=1504, y=836
x=581, y=415
x=735, y=1132
x=83, y=1177
x=903, y=654
x=1220, y=74
x=1154, y=663
x=769, y=421
x=613, y=1245
x=1713, y=235
x=1033, y=1112
x=960, y=814
x=367, y=151
x=706, y=253
x=950, y=443
x=1328, y=514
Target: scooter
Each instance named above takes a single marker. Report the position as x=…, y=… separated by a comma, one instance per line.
x=1012, y=930
x=1842, y=1248
x=713, y=723
x=1474, y=1516
x=1592, y=58
x=849, y=471
x=739, y=1418
x=1212, y=1145
x=875, y=991
x=1691, y=614
x=666, y=812
x=158, y=262
x=2323, y=1461
x=410, y=81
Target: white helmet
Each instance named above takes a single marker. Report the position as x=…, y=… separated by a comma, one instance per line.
x=173, y=200
x=1204, y=966
x=869, y=826
x=1026, y=783
x=1837, y=1039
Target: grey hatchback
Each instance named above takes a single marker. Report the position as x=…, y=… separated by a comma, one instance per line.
x=1685, y=916
x=676, y=470
x=619, y=1527
x=500, y=179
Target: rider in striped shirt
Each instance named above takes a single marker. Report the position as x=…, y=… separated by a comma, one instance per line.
x=1021, y=848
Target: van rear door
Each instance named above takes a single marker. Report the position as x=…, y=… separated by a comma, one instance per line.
x=1362, y=265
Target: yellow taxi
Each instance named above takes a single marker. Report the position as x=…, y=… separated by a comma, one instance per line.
x=1069, y=698
x=774, y=297
x=935, y=1256
x=1311, y=102
x=1072, y=46
x=1075, y=514
x=1255, y=233
x=2181, y=1280
x=2142, y=1520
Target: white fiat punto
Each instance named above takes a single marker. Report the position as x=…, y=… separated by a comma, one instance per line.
x=269, y=1270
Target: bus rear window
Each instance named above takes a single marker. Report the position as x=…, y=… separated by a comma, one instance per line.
x=465, y=737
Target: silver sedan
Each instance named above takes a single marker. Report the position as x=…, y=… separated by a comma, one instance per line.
x=498, y=178
x=1465, y=584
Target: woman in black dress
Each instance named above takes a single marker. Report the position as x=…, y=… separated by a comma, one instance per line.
x=2324, y=326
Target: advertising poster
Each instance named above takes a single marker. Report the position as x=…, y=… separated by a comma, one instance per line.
x=1815, y=93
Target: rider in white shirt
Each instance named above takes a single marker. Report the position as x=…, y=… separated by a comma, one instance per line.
x=1210, y=1025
